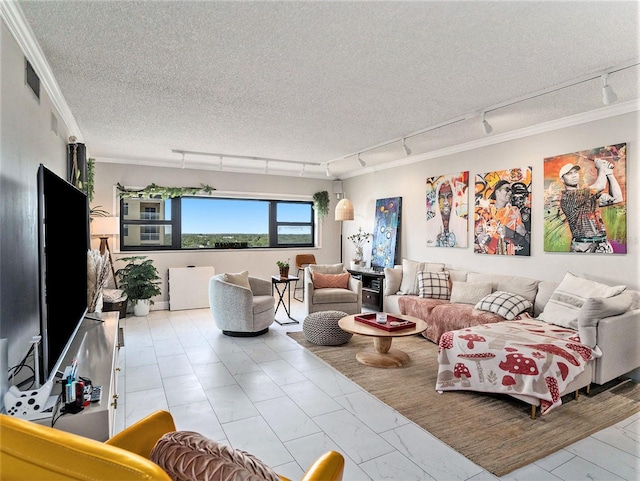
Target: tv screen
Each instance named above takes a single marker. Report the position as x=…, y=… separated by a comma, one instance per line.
x=63, y=236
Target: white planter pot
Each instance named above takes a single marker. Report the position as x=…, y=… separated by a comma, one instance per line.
x=141, y=307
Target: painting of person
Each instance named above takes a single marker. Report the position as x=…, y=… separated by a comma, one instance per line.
x=579, y=204
x=503, y=213
x=445, y=227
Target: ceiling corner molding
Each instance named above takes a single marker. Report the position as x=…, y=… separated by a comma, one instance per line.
x=14, y=18
x=573, y=120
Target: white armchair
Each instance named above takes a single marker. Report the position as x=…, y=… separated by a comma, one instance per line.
x=241, y=310
x=348, y=300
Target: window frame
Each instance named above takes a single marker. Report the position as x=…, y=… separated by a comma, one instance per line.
x=176, y=224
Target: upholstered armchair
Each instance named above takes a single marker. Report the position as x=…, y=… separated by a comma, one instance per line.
x=241, y=305
x=31, y=451
x=317, y=297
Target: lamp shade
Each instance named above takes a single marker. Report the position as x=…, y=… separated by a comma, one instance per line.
x=105, y=226
x=344, y=210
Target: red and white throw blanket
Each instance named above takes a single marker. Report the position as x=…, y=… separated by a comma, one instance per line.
x=526, y=357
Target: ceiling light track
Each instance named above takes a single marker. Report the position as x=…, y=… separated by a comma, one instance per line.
x=243, y=157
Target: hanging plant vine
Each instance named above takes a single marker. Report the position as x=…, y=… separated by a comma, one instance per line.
x=153, y=190
x=321, y=203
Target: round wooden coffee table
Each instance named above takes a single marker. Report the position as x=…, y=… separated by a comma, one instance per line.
x=384, y=355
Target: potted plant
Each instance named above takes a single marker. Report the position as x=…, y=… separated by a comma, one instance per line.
x=359, y=239
x=321, y=203
x=139, y=278
x=284, y=268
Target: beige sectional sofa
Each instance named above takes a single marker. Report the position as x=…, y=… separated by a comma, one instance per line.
x=617, y=336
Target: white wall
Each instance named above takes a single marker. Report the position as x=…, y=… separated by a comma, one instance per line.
x=409, y=182
x=259, y=262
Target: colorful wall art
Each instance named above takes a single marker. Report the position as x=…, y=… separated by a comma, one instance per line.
x=386, y=233
x=447, y=201
x=585, y=202
x=502, y=217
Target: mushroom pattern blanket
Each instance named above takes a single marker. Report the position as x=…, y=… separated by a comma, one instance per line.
x=525, y=356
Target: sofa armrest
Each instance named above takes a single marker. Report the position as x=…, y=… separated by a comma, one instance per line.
x=618, y=338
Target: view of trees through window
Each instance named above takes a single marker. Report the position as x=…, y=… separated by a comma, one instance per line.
x=215, y=223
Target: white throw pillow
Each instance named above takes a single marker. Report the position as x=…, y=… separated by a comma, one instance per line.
x=469, y=292
x=434, y=285
x=505, y=304
x=239, y=279
x=392, y=280
x=567, y=300
x=598, y=308
x=410, y=269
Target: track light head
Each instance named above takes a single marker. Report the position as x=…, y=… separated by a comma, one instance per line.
x=328, y=171
x=302, y=170
x=362, y=162
x=608, y=95
x=407, y=150
x=486, y=126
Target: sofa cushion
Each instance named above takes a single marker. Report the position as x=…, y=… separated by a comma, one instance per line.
x=322, y=281
x=433, y=285
x=469, y=292
x=410, y=269
x=598, y=308
x=332, y=295
x=187, y=455
x=392, y=280
x=523, y=286
x=567, y=300
x=326, y=268
x=505, y=304
x=239, y=279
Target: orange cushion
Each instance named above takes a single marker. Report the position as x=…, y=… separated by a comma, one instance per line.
x=321, y=280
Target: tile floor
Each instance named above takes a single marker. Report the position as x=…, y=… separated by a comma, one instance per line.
x=269, y=396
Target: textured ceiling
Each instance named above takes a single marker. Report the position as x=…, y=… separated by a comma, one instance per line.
x=320, y=81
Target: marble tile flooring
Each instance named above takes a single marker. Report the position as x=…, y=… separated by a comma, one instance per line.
x=269, y=396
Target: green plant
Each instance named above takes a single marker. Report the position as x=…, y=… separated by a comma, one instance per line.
x=358, y=239
x=282, y=264
x=139, y=278
x=321, y=203
x=153, y=190
x=89, y=184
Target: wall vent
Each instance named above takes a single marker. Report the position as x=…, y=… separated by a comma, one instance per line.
x=32, y=79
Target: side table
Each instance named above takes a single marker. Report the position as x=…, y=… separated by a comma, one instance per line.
x=285, y=282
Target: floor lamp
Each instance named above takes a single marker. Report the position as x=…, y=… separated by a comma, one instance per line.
x=103, y=228
x=344, y=211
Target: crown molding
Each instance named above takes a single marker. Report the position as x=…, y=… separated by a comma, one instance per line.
x=12, y=14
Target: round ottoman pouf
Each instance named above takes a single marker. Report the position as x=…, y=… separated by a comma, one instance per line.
x=322, y=328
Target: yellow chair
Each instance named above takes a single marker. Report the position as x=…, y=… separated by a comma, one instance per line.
x=29, y=451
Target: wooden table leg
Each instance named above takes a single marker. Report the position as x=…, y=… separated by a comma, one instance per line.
x=384, y=356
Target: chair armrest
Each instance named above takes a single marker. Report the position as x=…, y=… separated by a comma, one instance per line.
x=329, y=467
x=141, y=437
x=260, y=287
x=355, y=285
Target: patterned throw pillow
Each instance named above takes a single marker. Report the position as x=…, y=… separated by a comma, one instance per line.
x=505, y=304
x=188, y=455
x=469, y=292
x=322, y=281
x=434, y=285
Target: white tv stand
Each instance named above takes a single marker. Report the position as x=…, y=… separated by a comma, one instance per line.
x=96, y=344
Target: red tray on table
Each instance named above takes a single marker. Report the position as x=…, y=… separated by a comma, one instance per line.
x=370, y=319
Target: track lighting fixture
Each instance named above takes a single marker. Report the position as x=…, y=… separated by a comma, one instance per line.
x=608, y=95
x=486, y=126
x=302, y=170
x=266, y=167
x=328, y=171
x=362, y=162
x=407, y=150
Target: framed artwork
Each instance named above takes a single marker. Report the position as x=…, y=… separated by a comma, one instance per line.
x=386, y=233
x=447, y=202
x=502, y=212
x=585, y=202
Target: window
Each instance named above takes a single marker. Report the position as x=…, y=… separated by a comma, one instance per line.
x=214, y=223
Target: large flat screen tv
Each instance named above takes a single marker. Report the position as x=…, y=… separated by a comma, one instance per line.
x=63, y=238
